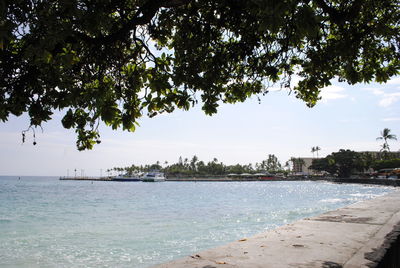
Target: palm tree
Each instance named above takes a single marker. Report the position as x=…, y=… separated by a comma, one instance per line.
x=317, y=148
x=287, y=165
x=193, y=163
x=385, y=136
x=313, y=151
x=297, y=163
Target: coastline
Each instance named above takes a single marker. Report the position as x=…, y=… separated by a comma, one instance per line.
x=372, y=181
x=363, y=234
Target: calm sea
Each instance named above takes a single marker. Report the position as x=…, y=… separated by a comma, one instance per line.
x=45, y=222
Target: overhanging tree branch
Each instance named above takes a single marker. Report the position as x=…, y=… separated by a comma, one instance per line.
x=92, y=58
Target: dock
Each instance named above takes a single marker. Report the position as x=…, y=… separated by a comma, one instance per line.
x=86, y=178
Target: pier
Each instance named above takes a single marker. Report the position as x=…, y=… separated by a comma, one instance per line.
x=86, y=178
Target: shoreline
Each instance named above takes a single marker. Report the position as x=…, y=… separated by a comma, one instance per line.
x=374, y=181
x=364, y=234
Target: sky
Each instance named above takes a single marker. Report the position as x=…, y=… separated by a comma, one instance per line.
x=347, y=117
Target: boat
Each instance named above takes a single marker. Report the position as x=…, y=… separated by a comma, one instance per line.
x=153, y=177
x=126, y=177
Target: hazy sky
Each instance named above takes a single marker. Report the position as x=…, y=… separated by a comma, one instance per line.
x=348, y=117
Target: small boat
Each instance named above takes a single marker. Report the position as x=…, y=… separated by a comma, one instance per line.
x=126, y=177
x=153, y=177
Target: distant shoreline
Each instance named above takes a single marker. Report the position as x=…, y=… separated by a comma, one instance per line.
x=386, y=182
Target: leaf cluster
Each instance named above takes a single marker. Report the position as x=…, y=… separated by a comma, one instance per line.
x=389, y=163
x=342, y=163
x=115, y=61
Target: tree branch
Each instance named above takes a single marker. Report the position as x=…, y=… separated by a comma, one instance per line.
x=333, y=13
x=143, y=16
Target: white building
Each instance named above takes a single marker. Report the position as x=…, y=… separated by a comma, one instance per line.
x=301, y=165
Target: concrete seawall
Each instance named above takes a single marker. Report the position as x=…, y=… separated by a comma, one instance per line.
x=365, y=234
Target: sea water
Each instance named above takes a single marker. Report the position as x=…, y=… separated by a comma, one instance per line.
x=45, y=222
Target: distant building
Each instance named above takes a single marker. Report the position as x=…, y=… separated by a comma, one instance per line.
x=301, y=165
x=379, y=155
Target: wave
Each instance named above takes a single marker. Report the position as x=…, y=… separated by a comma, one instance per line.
x=333, y=200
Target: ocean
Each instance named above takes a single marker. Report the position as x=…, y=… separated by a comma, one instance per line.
x=45, y=222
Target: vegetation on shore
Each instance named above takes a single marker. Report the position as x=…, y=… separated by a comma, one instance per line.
x=346, y=162
x=386, y=136
x=197, y=167
x=342, y=163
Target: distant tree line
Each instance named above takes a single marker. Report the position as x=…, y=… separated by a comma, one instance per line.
x=197, y=167
x=342, y=163
x=346, y=162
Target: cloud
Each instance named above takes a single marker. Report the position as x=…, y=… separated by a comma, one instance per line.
x=147, y=144
x=389, y=98
x=375, y=91
x=390, y=119
x=395, y=81
x=332, y=93
x=351, y=120
x=388, y=95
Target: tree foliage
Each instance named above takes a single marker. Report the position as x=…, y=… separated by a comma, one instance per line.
x=315, y=150
x=97, y=60
x=297, y=164
x=196, y=167
x=342, y=163
x=324, y=164
x=272, y=164
x=386, y=136
x=390, y=163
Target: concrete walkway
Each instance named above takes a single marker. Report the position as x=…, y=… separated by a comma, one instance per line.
x=342, y=238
